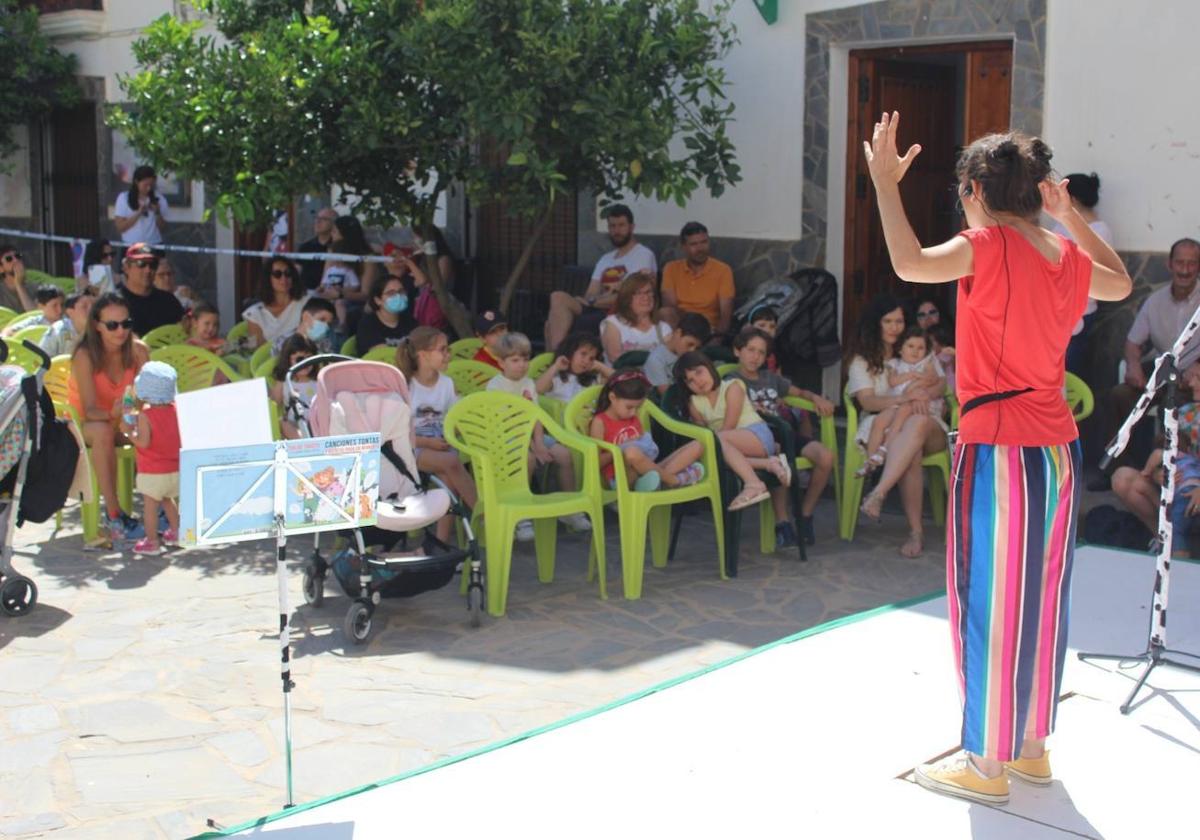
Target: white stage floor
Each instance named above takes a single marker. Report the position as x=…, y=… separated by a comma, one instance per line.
x=816, y=737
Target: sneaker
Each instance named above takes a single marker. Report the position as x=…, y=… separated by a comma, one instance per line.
x=806, y=530
x=694, y=474
x=577, y=522
x=648, y=482
x=170, y=537
x=958, y=776
x=1035, y=771
x=785, y=535
x=144, y=546
x=124, y=527
x=524, y=531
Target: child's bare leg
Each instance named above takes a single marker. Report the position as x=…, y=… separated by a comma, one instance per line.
x=564, y=467
x=678, y=461
x=883, y=422
x=733, y=442
x=903, y=412
x=822, y=461
x=450, y=470
x=172, y=510
x=150, y=518
x=780, y=497
x=636, y=463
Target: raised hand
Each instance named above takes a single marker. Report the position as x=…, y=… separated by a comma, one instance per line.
x=883, y=159
x=1056, y=201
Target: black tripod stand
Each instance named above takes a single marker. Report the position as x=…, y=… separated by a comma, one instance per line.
x=1166, y=374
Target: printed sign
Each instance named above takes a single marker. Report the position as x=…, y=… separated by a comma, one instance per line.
x=234, y=494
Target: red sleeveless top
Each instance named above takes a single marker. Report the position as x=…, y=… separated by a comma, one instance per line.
x=162, y=455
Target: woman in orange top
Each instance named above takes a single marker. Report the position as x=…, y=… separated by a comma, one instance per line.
x=104, y=364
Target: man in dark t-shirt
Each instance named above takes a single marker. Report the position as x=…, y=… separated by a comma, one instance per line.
x=148, y=307
x=311, y=270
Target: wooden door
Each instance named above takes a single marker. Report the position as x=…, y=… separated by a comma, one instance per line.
x=946, y=94
x=73, y=181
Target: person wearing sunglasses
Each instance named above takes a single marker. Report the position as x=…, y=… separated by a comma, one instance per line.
x=104, y=364
x=13, y=293
x=96, y=278
x=281, y=297
x=148, y=306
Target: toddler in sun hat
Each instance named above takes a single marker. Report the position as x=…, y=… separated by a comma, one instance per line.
x=155, y=436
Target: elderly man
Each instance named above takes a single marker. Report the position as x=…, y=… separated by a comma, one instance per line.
x=698, y=283
x=1159, y=322
x=627, y=257
x=149, y=307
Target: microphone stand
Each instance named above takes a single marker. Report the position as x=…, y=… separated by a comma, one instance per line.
x=1165, y=374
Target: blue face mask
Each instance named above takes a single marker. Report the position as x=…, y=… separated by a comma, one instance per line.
x=317, y=330
x=396, y=303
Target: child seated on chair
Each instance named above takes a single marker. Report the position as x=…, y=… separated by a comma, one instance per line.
x=512, y=351
x=746, y=440
x=64, y=333
x=766, y=391
x=155, y=436
x=423, y=356
x=204, y=329
x=49, y=300
x=316, y=324
x=576, y=367
x=616, y=421
x=490, y=328
x=915, y=361
x=692, y=333
x=296, y=349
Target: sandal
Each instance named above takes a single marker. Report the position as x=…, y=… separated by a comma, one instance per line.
x=914, y=545
x=751, y=494
x=777, y=465
x=872, y=505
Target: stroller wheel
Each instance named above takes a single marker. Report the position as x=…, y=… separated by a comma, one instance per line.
x=475, y=604
x=18, y=595
x=314, y=586
x=357, y=625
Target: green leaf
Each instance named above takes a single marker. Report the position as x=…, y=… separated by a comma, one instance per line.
x=517, y=159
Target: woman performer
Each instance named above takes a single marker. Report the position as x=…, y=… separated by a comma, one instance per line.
x=1013, y=506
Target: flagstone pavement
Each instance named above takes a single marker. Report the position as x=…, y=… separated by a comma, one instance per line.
x=141, y=696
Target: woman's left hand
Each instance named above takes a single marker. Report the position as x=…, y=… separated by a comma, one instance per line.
x=883, y=159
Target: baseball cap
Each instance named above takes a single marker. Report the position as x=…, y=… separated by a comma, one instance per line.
x=140, y=252
x=488, y=320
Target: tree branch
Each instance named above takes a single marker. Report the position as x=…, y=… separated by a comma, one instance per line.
x=523, y=260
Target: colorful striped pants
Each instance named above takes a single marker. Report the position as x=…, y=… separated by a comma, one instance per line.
x=1010, y=544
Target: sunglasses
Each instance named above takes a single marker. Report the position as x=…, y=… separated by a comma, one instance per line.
x=12, y=257
x=280, y=272
x=927, y=313
x=113, y=326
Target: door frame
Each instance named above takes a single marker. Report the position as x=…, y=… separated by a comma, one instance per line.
x=857, y=126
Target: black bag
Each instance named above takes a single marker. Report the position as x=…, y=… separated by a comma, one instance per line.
x=52, y=463
x=1107, y=525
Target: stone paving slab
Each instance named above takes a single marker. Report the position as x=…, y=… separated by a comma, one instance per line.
x=141, y=696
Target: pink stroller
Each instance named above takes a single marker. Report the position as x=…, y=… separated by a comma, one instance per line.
x=355, y=396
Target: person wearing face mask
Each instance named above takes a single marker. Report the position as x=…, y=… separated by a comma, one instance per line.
x=388, y=318
x=316, y=324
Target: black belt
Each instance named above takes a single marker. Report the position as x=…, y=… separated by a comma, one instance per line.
x=983, y=399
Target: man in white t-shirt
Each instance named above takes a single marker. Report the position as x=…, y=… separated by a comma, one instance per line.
x=585, y=313
x=143, y=218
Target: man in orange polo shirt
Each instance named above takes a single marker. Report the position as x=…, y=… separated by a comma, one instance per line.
x=699, y=283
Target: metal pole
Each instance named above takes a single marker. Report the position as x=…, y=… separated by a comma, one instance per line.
x=285, y=667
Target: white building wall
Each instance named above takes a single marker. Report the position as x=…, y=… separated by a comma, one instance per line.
x=1120, y=80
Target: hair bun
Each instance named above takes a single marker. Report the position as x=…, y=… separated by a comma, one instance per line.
x=1006, y=151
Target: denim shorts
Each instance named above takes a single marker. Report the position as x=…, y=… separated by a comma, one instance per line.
x=646, y=444
x=763, y=432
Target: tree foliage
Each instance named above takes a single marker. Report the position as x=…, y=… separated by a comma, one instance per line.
x=394, y=100
x=35, y=76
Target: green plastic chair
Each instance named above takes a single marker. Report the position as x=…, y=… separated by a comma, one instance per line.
x=194, y=366
x=265, y=368
x=6, y=315
x=938, y=484
x=35, y=278
x=165, y=336
x=828, y=436
x=470, y=376
x=382, y=353
x=1079, y=397
x=31, y=334
x=350, y=346
x=238, y=332
x=639, y=513
x=20, y=356
x=465, y=348
x=495, y=429
x=17, y=320
x=539, y=363
x=260, y=355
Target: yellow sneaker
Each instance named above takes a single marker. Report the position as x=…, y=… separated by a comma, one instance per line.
x=1035, y=771
x=958, y=776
